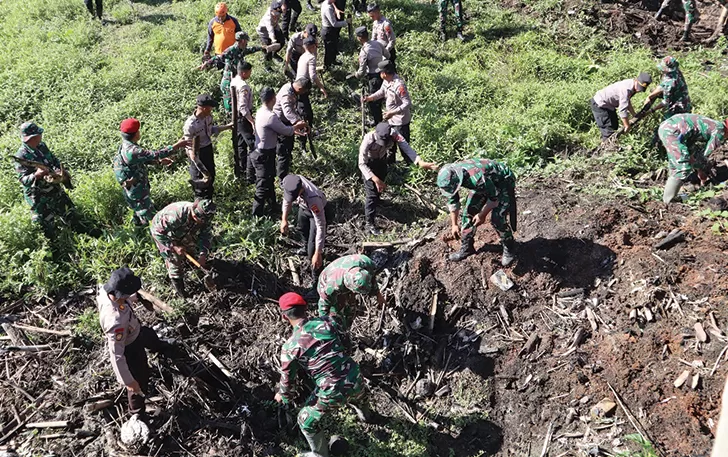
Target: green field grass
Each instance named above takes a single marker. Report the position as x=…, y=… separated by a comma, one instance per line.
x=517, y=91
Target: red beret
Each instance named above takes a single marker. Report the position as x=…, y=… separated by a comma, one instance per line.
x=130, y=125
x=289, y=300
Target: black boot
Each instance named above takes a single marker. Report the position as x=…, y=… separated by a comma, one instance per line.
x=178, y=284
x=686, y=33
x=509, y=252
x=466, y=248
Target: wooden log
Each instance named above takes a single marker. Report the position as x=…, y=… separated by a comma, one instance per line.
x=156, y=302
x=384, y=244
x=215, y=361
x=97, y=405
x=670, y=240
x=16, y=336
x=38, y=348
x=30, y=328
x=48, y=424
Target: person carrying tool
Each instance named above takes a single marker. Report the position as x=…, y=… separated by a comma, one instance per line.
x=315, y=348
x=295, y=49
x=130, y=169
x=267, y=128
x=126, y=338
x=202, y=162
x=492, y=188
x=181, y=229
x=382, y=30
x=371, y=55
x=270, y=32
x=246, y=124
x=286, y=109
x=41, y=175
x=457, y=6
x=672, y=89
x=681, y=135
x=616, y=101
x=341, y=280
x=374, y=150
x=231, y=58
x=221, y=32
x=691, y=16
x=397, y=104
x=331, y=26
x=313, y=215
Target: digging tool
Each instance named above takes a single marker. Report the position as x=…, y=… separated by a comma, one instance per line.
x=208, y=279
x=350, y=28
x=309, y=137
x=663, y=6
x=363, y=110
x=235, y=114
x=60, y=175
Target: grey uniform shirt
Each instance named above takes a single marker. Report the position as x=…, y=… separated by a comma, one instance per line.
x=267, y=128
x=245, y=96
x=121, y=327
x=286, y=106
x=372, y=52
x=295, y=44
x=370, y=150
x=315, y=201
x=383, y=32
x=616, y=97
x=267, y=26
x=397, y=100
x=328, y=16
x=199, y=127
x=307, y=67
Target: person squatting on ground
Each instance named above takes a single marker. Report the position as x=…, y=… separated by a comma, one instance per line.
x=243, y=169
x=41, y=175
x=372, y=53
x=397, y=104
x=229, y=60
x=126, y=338
x=457, y=7
x=183, y=228
x=316, y=350
x=263, y=159
x=130, y=168
x=330, y=30
x=295, y=49
x=492, y=189
x=339, y=283
x=270, y=32
x=374, y=151
x=221, y=32
x=616, y=101
x=382, y=30
x=286, y=108
x=680, y=135
x=313, y=215
x=202, y=161
x=672, y=89
x=692, y=14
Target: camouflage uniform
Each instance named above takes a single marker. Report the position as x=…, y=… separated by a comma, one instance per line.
x=458, y=7
x=674, y=89
x=487, y=180
x=174, y=225
x=47, y=200
x=680, y=133
x=315, y=347
x=232, y=56
x=691, y=12
x=130, y=170
x=351, y=273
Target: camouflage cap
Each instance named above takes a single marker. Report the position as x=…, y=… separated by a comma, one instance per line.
x=204, y=208
x=29, y=130
x=358, y=280
x=668, y=64
x=242, y=36
x=449, y=179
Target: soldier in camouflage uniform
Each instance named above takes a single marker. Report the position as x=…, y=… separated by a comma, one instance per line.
x=182, y=228
x=344, y=277
x=231, y=58
x=130, y=169
x=459, y=20
x=691, y=16
x=492, y=188
x=42, y=188
x=316, y=349
x=680, y=135
x=672, y=89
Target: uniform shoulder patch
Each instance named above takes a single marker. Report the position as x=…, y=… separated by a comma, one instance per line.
x=402, y=91
x=119, y=333
x=315, y=209
x=388, y=28
x=122, y=307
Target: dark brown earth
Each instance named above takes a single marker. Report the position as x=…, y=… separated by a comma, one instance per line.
x=576, y=251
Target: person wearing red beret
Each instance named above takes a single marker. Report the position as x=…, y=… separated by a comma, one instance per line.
x=130, y=169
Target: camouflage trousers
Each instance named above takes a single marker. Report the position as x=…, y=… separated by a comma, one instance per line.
x=141, y=204
x=681, y=162
x=499, y=218
x=227, y=76
x=321, y=401
x=174, y=263
x=458, y=7
x=45, y=207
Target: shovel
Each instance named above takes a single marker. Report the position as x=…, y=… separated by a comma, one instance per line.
x=208, y=279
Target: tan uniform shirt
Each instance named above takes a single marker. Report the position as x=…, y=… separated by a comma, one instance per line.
x=397, y=100
x=307, y=67
x=202, y=127
x=267, y=26
x=245, y=96
x=286, y=107
x=121, y=327
x=328, y=16
x=267, y=128
x=315, y=200
x=370, y=150
x=295, y=44
x=372, y=52
x=383, y=32
x=616, y=97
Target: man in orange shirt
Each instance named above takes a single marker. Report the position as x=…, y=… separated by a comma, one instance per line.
x=221, y=31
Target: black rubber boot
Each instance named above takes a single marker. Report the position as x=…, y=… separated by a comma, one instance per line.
x=373, y=229
x=509, y=252
x=466, y=248
x=178, y=284
x=686, y=34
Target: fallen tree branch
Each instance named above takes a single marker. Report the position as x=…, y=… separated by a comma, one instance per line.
x=156, y=302
x=30, y=328
x=633, y=420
